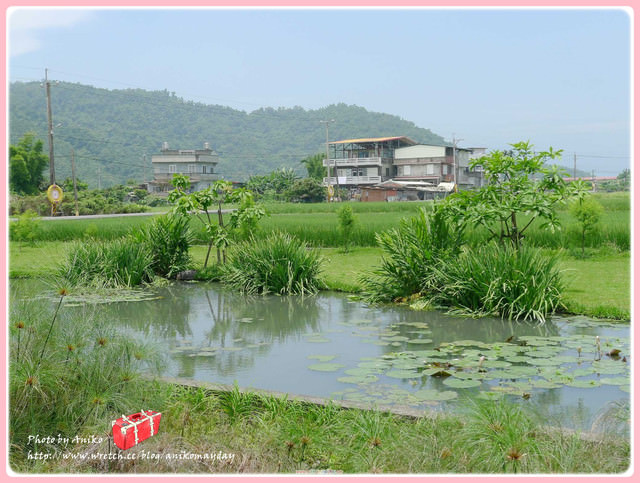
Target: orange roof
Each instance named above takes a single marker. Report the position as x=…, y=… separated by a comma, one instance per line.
x=374, y=140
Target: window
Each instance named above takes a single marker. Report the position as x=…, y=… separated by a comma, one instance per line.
x=204, y=170
x=172, y=168
x=406, y=171
x=430, y=169
x=192, y=168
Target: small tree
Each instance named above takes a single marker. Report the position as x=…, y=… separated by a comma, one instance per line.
x=201, y=203
x=26, y=165
x=347, y=222
x=518, y=185
x=307, y=190
x=587, y=211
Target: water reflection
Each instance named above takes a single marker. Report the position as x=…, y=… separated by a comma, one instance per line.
x=216, y=335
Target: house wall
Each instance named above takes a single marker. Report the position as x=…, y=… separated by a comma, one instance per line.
x=420, y=151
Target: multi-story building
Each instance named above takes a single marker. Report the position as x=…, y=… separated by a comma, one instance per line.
x=359, y=163
x=198, y=164
x=362, y=162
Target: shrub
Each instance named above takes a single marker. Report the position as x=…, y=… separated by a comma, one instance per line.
x=279, y=264
x=168, y=239
x=411, y=253
x=26, y=229
x=347, y=222
x=115, y=263
x=587, y=211
x=500, y=280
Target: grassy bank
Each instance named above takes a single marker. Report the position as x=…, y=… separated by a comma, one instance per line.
x=265, y=434
x=598, y=286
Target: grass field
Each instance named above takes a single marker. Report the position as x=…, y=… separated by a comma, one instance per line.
x=317, y=225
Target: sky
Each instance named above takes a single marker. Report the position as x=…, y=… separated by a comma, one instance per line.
x=555, y=77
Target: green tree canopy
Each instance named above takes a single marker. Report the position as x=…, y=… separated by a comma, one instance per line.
x=26, y=165
x=315, y=168
x=519, y=190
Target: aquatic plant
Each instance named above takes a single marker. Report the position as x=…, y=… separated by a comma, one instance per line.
x=168, y=239
x=280, y=264
x=500, y=280
x=108, y=264
x=411, y=254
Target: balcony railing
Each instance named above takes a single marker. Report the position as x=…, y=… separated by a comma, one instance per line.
x=350, y=180
x=353, y=162
x=192, y=176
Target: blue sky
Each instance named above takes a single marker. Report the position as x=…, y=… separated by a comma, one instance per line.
x=557, y=77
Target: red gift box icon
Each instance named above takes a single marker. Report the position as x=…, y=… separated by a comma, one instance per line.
x=131, y=430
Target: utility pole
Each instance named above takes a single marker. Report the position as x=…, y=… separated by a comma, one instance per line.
x=455, y=164
x=144, y=165
x=52, y=170
x=326, y=125
x=73, y=175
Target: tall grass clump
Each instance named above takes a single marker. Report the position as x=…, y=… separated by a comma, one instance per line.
x=411, y=254
x=279, y=264
x=72, y=377
x=168, y=239
x=108, y=264
x=500, y=280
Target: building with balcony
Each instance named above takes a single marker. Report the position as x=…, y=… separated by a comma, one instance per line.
x=362, y=162
x=359, y=163
x=198, y=164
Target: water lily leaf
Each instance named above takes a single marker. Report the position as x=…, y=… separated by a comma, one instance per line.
x=321, y=358
x=495, y=364
x=396, y=338
x=625, y=388
x=318, y=339
x=434, y=395
x=362, y=371
x=545, y=362
x=461, y=383
x=544, y=384
x=326, y=367
x=419, y=341
x=489, y=395
x=403, y=374
x=205, y=354
x=368, y=379
x=584, y=383
x=609, y=367
x=615, y=381
x=231, y=349
x=437, y=372
x=407, y=364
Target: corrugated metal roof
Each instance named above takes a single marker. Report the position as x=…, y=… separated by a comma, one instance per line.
x=374, y=140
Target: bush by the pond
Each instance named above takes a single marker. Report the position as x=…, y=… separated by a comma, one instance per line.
x=411, y=253
x=168, y=239
x=499, y=280
x=279, y=264
x=71, y=376
x=114, y=263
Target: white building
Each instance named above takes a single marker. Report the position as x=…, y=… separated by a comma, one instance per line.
x=198, y=164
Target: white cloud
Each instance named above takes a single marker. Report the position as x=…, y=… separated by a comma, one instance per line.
x=26, y=24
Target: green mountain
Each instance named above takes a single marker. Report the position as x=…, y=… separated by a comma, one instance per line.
x=111, y=131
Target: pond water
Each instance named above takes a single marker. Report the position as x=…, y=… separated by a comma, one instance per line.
x=331, y=346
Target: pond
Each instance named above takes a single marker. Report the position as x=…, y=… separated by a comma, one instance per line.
x=333, y=347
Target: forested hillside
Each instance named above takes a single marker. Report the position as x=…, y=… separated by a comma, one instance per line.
x=111, y=130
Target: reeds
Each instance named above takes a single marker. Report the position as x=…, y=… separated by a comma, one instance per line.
x=108, y=264
x=279, y=264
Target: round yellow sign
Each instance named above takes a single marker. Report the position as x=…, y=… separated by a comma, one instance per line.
x=55, y=194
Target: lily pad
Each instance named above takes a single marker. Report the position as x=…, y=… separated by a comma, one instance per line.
x=321, y=358
x=318, y=339
x=434, y=395
x=461, y=383
x=403, y=374
x=326, y=367
x=368, y=379
x=614, y=381
x=584, y=383
x=419, y=341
